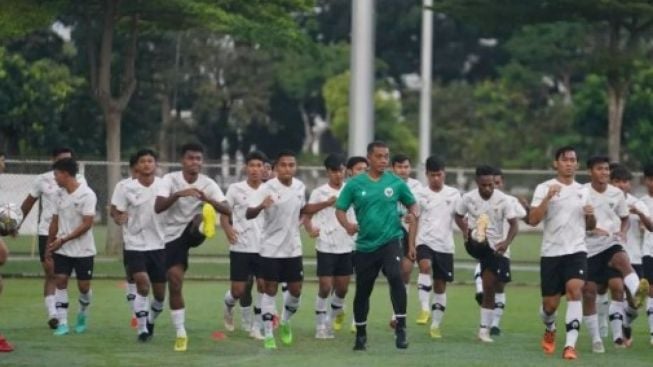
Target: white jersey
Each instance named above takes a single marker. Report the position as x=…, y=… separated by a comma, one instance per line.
x=45, y=189
x=144, y=228
x=414, y=187
x=248, y=231
x=498, y=208
x=71, y=210
x=280, y=236
x=333, y=237
x=635, y=234
x=436, y=219
x=177, y=217
x=647, y=242
x=609, y=207
x=564, y=221
x=520, y=213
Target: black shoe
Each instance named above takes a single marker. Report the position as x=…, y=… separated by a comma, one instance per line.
x=400, y=338
x=479, y=298
x=53, y=323
x=150, y=329
x=495, y=331
x=360, y=343
x=144, y=337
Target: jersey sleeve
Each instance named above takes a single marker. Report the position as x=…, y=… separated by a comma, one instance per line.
x=88, y=207
x=230, y=196
x=119, y=199
x=509, y=209
x=165, y=189
x=539, y=195
x=622, y=207
x=461, y=206
x=214, y=192
x=36, y=191
x=346, y=198
x=520, y=212
x=406, y=196
x=256, y=199
x=642, y=208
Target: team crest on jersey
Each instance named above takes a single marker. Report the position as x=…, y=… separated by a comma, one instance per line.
x=388, y=191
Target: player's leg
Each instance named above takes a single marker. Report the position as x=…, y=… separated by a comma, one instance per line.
x=392, y=270
x=424, y=283
x=487, y=305
x=63, y=267
x=366, y=266
x=574, y=315
x=48, y=283
x=442, y=268
x=478, y=282
x=325, y=272
x=130, y=290
x=175, y=277
x=503, y=278
x=617, y=310
x=341, y=288
x=552, y=284
x=142, y=302
x=292, y=273
x=84, y=272
x=257, y=323
x=156, y=271
x=637, y=288
x=246, y=303
x=239, y=276
x=602, y=305
x=5, y=346
x=590, y=316
x=647, y=266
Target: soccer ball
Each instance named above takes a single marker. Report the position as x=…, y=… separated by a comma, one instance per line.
x=10, y=217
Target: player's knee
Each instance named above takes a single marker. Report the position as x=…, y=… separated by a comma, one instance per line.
x=4, y=253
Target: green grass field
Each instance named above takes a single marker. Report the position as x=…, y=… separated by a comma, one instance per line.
x=110, y=341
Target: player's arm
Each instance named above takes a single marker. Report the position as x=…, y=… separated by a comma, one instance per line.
x=462, y=224
x=502, y=246
x=85, y=226
x=225, y=222
x=163, y=203
x=27, y=205
x=538, y=212
x=412, y=231
x=313, y=231
x=253, y=212
x=644, y=219
x=312, y=208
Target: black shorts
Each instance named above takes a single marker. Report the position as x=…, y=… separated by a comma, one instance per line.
x=441, y=263
x=151, y=262
x=498, y=264
x=478, y=250
x=556, y=271
x=334, y=265
x=65, y=265
x=598, y=270
x=43, y=244
x=386, y=258
x=639, y=270
x=177, y=249
x=287, y=269
x=647, y=267
x=243, y=266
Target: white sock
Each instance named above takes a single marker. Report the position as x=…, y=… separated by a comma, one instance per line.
x=156, y=307
x=229, y=300
x=142, y=311
x=616, y=319
x=61, y=297
x=85, y=302
x=268, y=309
x=51, y=306
x=478, y=281
x=499, y=305
x=258, y=321
x=631, y=281
x=548, y=320
x=424, y=287
x=337, y=306
x=131, y=295
x=592, y=323
x=572, y=319
x=486, y=317
x=179, y=320
x=246, y=316
x=290, y=306
x=320, y=311
x=649, y=314
x=602, y=304
x=438, y=308
x=630, y=314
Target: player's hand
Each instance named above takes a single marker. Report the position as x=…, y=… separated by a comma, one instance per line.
x=332, y=200
x=633, y=210
x=588, y=209
x=189, y=192
x=409, y=218
x=412, y=253
x=121, y=219
x=621, y=236
x=553, y=191
x=55, y=245
x=232, y=236
x=600, y=232
x=314, y=232
x=351, y=229
x=501, y=247
x=267, y=202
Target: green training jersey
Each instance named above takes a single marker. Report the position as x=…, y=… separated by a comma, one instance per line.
x=375, y=205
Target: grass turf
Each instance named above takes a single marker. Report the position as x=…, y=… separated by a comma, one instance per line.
x=110, y=342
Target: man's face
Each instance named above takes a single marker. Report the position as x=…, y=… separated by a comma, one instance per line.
x=648, y=181
x=498, y=182
x=485, y=186
x=255, y=170
x=379, y=158
x=61, y=177
x=192, y=161
x=600, y=173
x=286, y=167
x=435, y=179
x=624, y=185
x=146, y=165
x=566, y=164
x=402, y=169
x=358, y=168
x=336, y=176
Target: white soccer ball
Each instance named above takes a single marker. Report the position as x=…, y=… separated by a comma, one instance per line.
x=10, y=217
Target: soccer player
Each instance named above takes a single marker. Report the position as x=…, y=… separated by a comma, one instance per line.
x=70, y=242
x=375, y=197
x=435, y=246
x=45, y=189
x=486, y=210
x=5, y=346
x=562, y=204
x=356, y=165
x=647, y=248
x=182, y=196
x=144, y=240
x=268, y=171
x=334, y=250
x=244, y=237
x=401, y=167
x=120, y=219
x=607, y=262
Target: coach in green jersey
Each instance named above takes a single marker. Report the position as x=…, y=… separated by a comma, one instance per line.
x=374, y=197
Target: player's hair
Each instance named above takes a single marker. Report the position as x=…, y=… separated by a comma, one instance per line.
x=68, y=165
x=498, y=171
x=648, y=170
x=285, y=153
x=132, y=161
x=255, y=155
x=597, y=159
x=145, y=152
x=334, y=162
x=375, y=144
x=191, y=147
x=61, y=150
x=400, y=158
x=352, y=161
x=562, y=150
x=434, y=165
x=484, y=170
x=620, y=173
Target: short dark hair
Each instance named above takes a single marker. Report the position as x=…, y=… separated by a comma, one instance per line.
x=484, y=170
x=375, y=144
x=285, y=153
x=648, y=170
x=334, y=162
x=400, y=158
x=191, y=147
x=597, y=159
x=145, y=152
x=2, y=153
x=256, y=155
x=132, y=161
x=68, y=165
x=61, y=150
x=498, y=171
x=621, y=173
x=434, y=165
x=352, y=161
x=562, y=150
